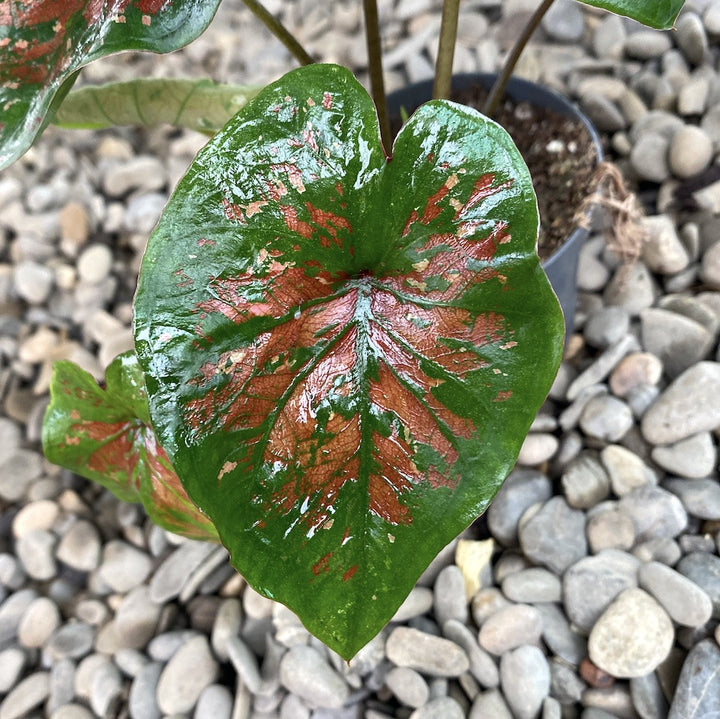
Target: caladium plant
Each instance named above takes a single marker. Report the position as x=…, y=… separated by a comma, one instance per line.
x=341, y=341
x=344, y=352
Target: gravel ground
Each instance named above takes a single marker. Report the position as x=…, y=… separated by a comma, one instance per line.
x=597, y=594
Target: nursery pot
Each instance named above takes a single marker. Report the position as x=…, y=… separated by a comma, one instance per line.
x=561, y=266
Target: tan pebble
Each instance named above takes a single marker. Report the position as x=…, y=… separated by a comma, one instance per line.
x=473, y=558
x=74, y=225
x=637, y=368
x=36, y=515
x=37, y=347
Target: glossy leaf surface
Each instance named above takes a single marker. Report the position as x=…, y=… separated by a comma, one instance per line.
x=200, y=105
x=659, y=14
x=344, y=353
x=105, y=435
x=44, y=42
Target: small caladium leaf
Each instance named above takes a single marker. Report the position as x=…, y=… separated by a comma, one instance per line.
x=200, y=105
x=660, y=14
x=105, y=435
x=44, y=42
x=344, y=352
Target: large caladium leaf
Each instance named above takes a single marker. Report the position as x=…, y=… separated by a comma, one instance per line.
x=44, y=42
x=105, y=435
x=660, y=14
x=344, y=353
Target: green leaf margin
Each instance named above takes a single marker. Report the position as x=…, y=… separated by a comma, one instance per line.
x=658, y=14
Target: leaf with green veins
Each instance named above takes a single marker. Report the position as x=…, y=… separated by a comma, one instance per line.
x=660, y=14
x=200, y=105
x=43, y=42
x=105, y=435
x=344, y=353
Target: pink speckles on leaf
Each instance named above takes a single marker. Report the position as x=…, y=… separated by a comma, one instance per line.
x=502, y=396
x=232, y=211
x=294, y=175
x=153, y=7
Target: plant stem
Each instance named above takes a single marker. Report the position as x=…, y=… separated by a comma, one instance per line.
x=498, y=89
x=446, y=49
x=280, y=31
x=377, y=84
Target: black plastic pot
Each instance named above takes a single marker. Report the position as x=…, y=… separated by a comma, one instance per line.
x=561, y=266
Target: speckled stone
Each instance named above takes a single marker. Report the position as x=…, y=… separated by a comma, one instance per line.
x=554, y=536
x=678, y=341
x=703, y=569
x=519, y=491
x=449, y=595
x=189, y=671
x=490, y=704
x=682, y=599
x=532, y=585
x=694, y=457
x=408, y=686
x=690, y=152
x=440, y=707
x=686, y=407
x=655, y=512
x=590, y=585
x=123, y=566
x=12, y=662
x=525, y=680
x=482, y=666
x=647, y=696
x=304, y=671
x=25, y=696
x=510, y=628
x=694, y=694
x=427, y=654
x=562, y=640
x=700, y=497
x=584, y=481
x=610, y=529
x=633, y=370
x=627, y=471
x=663, y=252
x=606, y=418
x=632, y=637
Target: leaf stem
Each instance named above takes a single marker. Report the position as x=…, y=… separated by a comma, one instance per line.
x=377, y=84
x=498, y=89
x=446, y=49
x=280, y=31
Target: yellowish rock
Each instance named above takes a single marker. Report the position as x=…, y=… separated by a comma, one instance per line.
x=473, y=558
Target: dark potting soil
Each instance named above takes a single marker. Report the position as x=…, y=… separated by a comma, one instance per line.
x=559, y=153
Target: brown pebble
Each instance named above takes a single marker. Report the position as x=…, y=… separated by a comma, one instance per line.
x=74, y=226
x=575, y=346
x=637, y=368
x=595, y=676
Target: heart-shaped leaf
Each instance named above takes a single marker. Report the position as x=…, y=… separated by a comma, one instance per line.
x=44, y=42
x=660, y=14
x=105, y=435
x=344, y=353
x=200, y=105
